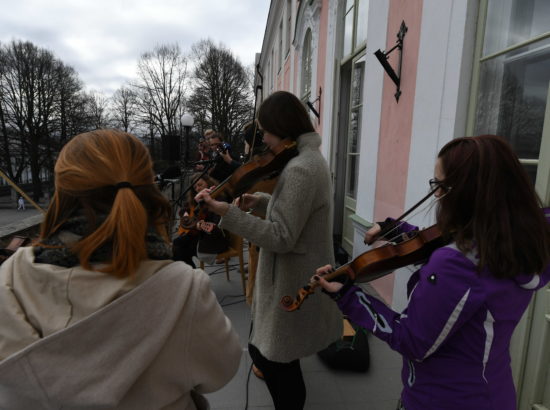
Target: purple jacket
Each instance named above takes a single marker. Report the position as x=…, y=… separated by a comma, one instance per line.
x=454, y=334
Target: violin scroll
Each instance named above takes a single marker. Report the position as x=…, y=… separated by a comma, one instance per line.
x=378, y=262
x=188, y=222
x=290, y=305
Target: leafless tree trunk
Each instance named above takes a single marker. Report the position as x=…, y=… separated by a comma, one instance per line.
x=97, y=108
x=35, y=90
x=161, y=87
x=222, y=96
x=124, y=106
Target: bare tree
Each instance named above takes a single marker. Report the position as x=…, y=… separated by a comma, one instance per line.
x=6, y=148
x=146, y=124
x=37, y=92
x=124, y=108
x=70, y=101
x=97, y=108
x=30, y=89
x=222, y=96
x=161, y=88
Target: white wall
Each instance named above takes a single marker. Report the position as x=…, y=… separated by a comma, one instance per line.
x=440, y=106
x=372, y=107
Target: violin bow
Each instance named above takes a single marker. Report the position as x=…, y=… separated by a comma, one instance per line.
x=392, y=226
x=260, y=88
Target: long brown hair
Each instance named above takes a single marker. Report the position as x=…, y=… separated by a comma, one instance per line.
x=284, y=115
x=86, y=172
x=192, y=193
x=492, y=206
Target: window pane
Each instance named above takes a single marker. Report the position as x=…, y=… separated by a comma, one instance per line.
x=357, y=83
x=511, y=22
x=512, y=97
x=306, y=64
x=349, y=4
x=352, y=174
x=362, y=19
x=354, y=130
x=348, y=33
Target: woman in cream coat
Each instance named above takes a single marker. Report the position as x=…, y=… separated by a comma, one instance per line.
x=294, y=237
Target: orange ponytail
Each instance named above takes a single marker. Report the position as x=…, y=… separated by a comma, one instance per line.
x=88, y=168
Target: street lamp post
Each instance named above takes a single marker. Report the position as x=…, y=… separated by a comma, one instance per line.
x=187, y=122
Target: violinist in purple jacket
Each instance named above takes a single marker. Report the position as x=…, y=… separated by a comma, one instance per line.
x=466, y=301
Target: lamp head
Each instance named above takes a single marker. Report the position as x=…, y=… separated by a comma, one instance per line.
x=187, y=120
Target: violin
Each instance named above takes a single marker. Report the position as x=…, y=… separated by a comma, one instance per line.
x=188, y=223
x=378, y=262
x=263, y=167
x=15, y=243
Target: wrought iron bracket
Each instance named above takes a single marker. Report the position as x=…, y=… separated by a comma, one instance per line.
x=382, y=56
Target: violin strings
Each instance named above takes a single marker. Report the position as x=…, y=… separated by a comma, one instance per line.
x=420, y=210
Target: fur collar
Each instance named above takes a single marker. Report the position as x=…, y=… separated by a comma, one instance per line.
x=56, y=249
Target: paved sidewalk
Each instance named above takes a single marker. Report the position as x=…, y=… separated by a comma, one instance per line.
x=9, y=216
x=377, y=389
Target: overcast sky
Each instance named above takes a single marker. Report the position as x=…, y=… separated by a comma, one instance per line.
x=103, y=39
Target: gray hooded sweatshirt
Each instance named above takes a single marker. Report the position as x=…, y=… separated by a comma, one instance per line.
x=157, y=345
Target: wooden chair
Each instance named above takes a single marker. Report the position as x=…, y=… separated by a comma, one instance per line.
x=15, y=242
x=235, y=249
x=253, y=255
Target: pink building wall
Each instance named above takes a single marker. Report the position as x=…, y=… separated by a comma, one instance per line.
x=295, y=89
x=321, y=63
x=396, y=122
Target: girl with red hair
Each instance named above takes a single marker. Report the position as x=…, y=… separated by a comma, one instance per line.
x=97, y=311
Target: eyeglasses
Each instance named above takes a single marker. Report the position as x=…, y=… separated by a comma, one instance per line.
x=437, y=184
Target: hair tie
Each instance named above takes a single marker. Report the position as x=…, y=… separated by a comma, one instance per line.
x=123, y=184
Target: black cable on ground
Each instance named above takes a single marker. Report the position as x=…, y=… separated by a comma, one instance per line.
x=221, y=269
x=230, y=296
x=233, y=303
x=247, y=383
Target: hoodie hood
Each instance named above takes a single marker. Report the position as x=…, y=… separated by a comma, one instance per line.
x=133, y=353
x=66, y=368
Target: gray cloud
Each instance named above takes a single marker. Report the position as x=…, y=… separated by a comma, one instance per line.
x=103, y=39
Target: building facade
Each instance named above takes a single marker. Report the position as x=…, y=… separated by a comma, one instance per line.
x=466, y=67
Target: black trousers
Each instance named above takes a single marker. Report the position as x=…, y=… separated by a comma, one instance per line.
x=284, y=381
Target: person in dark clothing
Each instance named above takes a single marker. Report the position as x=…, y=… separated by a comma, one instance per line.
x=195, y=234
x=221, y=151
x=253, y=139
x=203, y=154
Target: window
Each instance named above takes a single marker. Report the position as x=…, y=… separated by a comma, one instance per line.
x=514, y=74
x=354, y=139
x=355, y=25
x=306, y=67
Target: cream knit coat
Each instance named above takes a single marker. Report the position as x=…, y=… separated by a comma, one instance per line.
x=295, y=238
